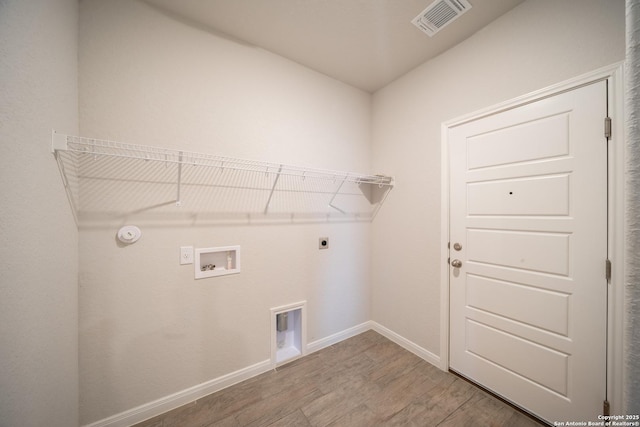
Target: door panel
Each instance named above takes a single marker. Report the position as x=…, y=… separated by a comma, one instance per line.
x=528, y=205
x=519, y=143
x=514, y=354
x=519, y=302
x=528, y=250
x=540, y=195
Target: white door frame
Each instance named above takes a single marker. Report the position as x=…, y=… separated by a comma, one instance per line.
x=616, y=216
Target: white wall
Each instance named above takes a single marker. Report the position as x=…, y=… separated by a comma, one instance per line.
x=537, y=44
x=147, y=328
x=38, y=236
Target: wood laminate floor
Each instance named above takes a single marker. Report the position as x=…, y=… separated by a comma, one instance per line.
x=366, y=380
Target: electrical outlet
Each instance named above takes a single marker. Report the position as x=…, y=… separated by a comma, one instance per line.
x=186, y=255
x=323, y=243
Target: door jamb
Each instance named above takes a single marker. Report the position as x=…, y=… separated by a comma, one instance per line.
x=614, y=74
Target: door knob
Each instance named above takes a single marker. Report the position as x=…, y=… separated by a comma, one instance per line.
x=456, y=263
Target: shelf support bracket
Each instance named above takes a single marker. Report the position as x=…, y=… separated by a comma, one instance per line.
x=179, y=183
x=273, y=188
x=334, y=196
x=381, y=202
x=58, y=142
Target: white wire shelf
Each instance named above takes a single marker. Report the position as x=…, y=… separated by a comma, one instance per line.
x=117, y=179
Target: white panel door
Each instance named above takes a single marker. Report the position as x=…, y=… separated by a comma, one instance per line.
x=528, y=207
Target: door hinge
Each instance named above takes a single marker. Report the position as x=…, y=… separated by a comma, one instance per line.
x=607, y=270
x=607, y=127
x=606, y=408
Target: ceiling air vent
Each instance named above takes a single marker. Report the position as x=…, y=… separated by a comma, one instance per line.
x=440, y=14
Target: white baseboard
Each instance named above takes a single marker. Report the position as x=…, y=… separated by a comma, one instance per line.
x=337, y=337
x=167, y=403
x=407, y=345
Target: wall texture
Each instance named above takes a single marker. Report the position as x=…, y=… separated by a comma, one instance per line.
x=147, y=328
x=38, y=236
x=632, y=220
x=535, y=45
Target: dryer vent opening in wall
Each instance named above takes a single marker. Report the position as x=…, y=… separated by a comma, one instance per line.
x=440, y=14
x=288, y=333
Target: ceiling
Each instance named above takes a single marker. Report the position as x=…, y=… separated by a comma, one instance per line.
x=364, y=43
